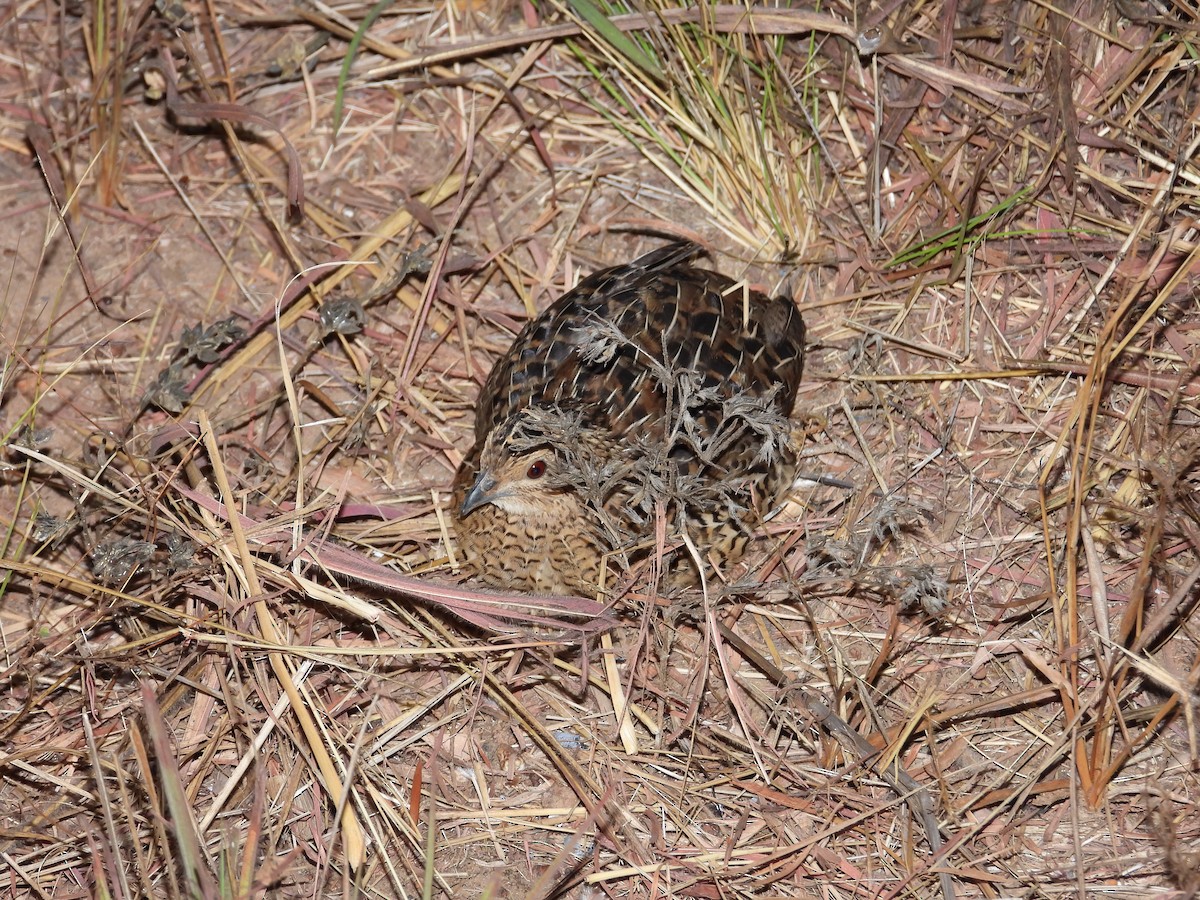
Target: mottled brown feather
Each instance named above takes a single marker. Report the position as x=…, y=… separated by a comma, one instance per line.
x=667, y=316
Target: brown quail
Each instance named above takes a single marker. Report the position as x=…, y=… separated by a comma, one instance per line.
x=654, y=392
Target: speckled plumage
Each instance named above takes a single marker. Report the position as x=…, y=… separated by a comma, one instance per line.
x=638, y=379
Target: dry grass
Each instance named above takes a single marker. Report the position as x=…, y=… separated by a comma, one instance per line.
x=991, y=230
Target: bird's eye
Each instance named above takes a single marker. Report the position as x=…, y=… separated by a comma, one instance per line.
x=537, y=470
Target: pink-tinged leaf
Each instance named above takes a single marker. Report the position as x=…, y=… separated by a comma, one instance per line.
x=490, y=610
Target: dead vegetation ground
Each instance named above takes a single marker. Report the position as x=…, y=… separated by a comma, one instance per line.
x=987, y=213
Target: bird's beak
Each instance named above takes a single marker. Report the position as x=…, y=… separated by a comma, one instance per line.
x=480, y=493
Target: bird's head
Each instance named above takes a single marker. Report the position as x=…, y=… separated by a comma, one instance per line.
x=520, y=471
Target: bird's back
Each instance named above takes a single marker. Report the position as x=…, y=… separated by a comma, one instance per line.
x=606, y=346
